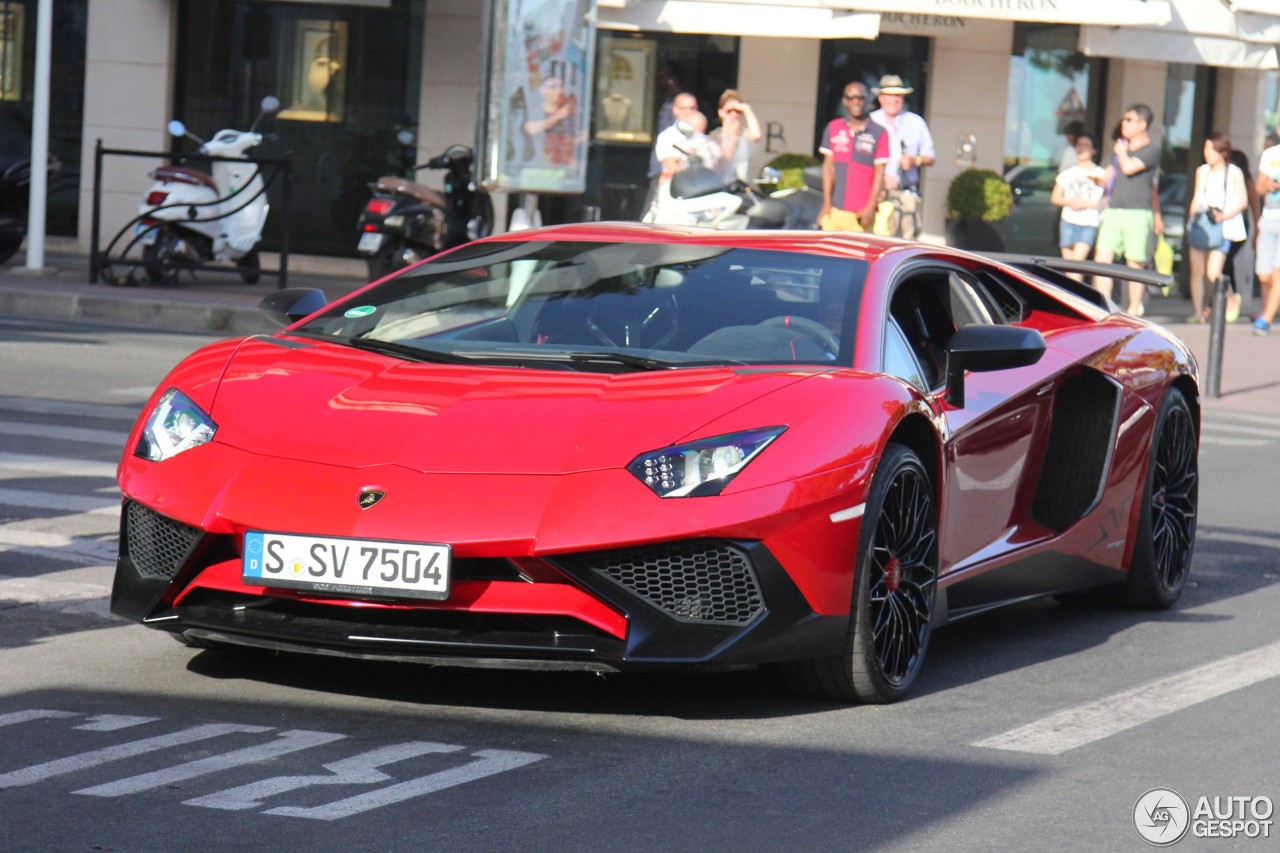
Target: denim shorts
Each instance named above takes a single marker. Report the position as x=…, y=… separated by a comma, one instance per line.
x=1069, y=234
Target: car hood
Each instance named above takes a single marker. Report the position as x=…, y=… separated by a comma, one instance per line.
x=335, y=405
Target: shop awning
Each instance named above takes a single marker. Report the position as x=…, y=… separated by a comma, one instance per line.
x=1114, y=13
x=1159, y=46
x=785, y=18
x=1201, y=32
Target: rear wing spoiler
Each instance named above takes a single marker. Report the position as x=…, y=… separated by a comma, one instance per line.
x=1054, y=270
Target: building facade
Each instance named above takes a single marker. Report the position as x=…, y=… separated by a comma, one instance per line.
x=997, y=80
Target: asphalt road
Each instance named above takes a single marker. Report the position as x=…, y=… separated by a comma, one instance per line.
x=1037, y=727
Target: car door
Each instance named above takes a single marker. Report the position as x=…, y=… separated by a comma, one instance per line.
x=987, y=480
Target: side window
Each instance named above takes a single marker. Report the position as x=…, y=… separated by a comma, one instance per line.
x=899, y=360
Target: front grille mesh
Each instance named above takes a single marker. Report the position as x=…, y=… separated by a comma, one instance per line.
x=693, y=582
x=157, y=545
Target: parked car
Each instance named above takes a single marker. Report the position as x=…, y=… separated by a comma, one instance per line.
x=1033, y=223
x=627, y=447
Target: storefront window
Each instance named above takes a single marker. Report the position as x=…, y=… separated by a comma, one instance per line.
x=346, y=79
x=847, y=60
x=1049, y=91
x=66, y=100
x=637, y=75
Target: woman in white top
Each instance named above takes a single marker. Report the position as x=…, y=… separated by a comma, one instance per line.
x=1222, y=197
x=1078, y=191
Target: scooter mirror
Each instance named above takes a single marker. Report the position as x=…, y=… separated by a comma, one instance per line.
x=770, y=175
x=270, y=104
x=177, y=128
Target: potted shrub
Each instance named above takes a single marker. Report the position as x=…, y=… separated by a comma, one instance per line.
x=978, y=205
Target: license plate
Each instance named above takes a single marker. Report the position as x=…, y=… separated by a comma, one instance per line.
x=341, y=566
x=146, y=233
x=369, y=242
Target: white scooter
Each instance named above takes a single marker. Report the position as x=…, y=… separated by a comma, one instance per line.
x=697, y=195
x=190, y=217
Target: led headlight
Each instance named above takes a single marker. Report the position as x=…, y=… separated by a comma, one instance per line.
x=176, y=424
x=703, y=467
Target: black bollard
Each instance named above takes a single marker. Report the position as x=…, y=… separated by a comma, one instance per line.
x=1217, y=328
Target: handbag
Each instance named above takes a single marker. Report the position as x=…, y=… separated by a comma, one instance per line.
x=1205, y=234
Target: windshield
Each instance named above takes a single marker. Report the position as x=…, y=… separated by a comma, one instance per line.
x=608, y=306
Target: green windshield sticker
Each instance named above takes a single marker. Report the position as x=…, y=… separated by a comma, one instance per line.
x=360, y=311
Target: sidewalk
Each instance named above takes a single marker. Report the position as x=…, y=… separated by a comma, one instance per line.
x=219, y=303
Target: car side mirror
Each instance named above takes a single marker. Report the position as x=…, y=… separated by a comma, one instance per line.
x=984, y=348
x=291, y=304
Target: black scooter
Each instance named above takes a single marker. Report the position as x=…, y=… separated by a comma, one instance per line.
x=405, y=221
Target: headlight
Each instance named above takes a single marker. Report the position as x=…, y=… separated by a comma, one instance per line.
x=176, y=424
x=703, y=467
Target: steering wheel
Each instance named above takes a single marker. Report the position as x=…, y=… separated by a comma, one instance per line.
x=811, y=328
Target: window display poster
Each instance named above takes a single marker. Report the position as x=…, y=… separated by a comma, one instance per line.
x=542, y=79
x=11, y=25
x=315, y=72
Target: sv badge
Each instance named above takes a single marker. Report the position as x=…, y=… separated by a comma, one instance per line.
x=369, y=497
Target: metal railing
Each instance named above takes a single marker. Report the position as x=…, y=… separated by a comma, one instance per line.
x=103, y=263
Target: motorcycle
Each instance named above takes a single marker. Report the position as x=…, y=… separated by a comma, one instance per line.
x=698, y=195
x=189, y=217
x=15, y=187
x=405, y=221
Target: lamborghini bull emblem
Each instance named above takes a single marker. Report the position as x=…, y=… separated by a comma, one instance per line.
x=369, y=497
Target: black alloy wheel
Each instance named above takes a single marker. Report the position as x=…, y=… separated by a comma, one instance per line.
x=1170, y=501
x=895, y=584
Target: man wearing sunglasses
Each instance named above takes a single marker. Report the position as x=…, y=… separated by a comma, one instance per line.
x=854, y=153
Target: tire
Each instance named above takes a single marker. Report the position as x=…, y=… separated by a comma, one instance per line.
x=250, y=267
x=1166, y=534
x=387, y=259
x=12, y=231
x=894, y=587
x=158, y=260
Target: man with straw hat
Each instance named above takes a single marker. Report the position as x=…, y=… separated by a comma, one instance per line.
x=910, y=149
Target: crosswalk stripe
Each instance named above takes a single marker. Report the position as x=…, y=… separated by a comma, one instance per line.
x=29, y=406
x=1092, y=721
x=81, y=435
x=1217, y=415
x=1233, y=442
x=61, y=503
x=1243, y=430
x=58, y=465
x=81, y=552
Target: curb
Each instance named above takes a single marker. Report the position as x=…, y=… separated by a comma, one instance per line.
x=212, y=317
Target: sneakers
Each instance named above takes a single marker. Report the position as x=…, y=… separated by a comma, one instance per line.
x=1261, y=327
x=1233, y=307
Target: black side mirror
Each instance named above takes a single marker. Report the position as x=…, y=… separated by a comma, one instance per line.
x=291, y=304
x=983, y=348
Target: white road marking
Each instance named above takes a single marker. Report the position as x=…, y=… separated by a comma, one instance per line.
x=81, y=435
x=357, y=770
x=70, y=549
x=290, y=741
x=1092, y=721
x=59, y=502
x=1242, y=430
x=58, y=465
x=1215, y=441
x=1239, y=538
x=15, y=717
x=29, y=406
x=490, y=762
x=114, y=722
x=71, y=764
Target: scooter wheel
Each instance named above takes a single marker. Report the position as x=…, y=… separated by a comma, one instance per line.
x=250, y=268
x=157, y=260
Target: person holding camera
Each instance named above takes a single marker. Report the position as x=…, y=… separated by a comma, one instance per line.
x=1216, y=219
x=738, y=128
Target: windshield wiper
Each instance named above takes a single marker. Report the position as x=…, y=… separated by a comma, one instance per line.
x=640, y=361
x=403, y=350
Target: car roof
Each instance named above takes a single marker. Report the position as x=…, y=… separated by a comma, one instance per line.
x=832, y=243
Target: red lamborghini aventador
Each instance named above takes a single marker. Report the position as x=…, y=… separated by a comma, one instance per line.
x=621, y=447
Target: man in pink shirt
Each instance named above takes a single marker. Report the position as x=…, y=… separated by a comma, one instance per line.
x=854, y=153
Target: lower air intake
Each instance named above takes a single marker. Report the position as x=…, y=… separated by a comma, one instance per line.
x=157, y=545
x=692, y=582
